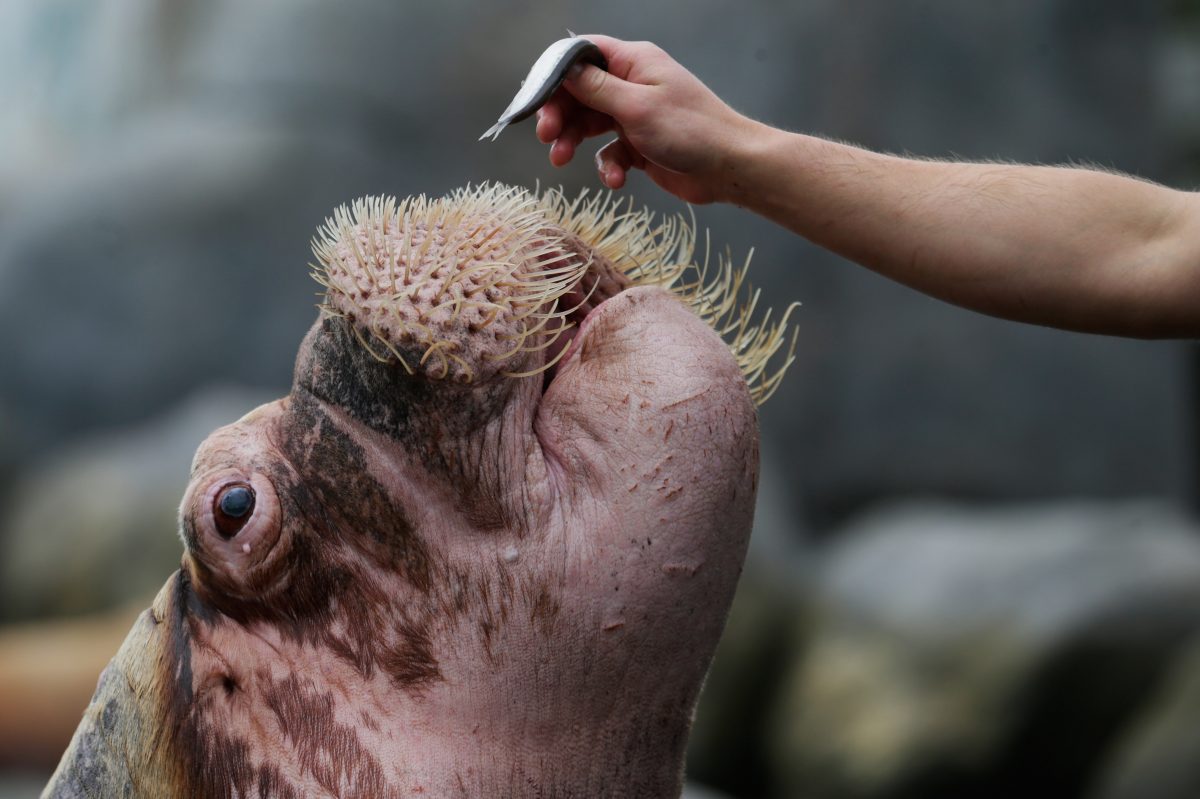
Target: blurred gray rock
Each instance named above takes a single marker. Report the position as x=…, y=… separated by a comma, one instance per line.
x=729, y=747
x=97, y=525
x=958, y=652
x=1160, y=755
x=692, y=790
x=896, y=394
x=21, y=786
x=163, y=165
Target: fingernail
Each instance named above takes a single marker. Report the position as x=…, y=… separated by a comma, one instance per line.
x=575, y=71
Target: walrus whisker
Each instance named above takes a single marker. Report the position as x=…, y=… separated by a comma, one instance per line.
x=566, y=324
x=361, y=340
x=547, y=365
x=512, y=254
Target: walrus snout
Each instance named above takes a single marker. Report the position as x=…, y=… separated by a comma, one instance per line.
x=423, y=572
x=462, y=288
x=494, y=281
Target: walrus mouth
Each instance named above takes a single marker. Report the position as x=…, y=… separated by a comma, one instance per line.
x=495, y=280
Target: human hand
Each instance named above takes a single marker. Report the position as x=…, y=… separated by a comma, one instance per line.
x=668, y=123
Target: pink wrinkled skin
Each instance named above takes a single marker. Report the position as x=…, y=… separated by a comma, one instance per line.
x=511, y=587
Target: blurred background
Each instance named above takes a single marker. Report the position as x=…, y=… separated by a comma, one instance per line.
x=976, y=564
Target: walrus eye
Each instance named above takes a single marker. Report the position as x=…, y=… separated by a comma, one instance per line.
x=232, y=509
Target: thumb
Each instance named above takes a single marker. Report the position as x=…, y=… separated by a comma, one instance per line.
x=600, y=90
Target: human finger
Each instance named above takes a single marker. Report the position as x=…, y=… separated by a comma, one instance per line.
x=562, y=150
x=602, y=91
x=550, y=120
x=614, y=160
x=622, y=57
x=574, y=130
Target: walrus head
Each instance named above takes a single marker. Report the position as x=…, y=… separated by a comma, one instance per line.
x=485, y=546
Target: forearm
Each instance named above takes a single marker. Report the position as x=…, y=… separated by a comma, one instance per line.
x=1072, y=248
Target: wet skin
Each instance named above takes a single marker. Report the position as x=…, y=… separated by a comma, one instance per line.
x=511, y=587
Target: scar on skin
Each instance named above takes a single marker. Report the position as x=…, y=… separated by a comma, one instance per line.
x=688, y=398
x=616, y=624
x=689, y=569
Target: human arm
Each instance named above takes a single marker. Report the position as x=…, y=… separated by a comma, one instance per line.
x=1066, y=247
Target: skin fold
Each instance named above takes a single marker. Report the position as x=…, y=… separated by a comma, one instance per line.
x=502, y=587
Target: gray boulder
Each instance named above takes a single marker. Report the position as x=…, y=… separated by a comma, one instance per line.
x=730, y=744
x=163, y=165
x=691, y=790
x=958, y=652
x=157, y=239
x=96, y=525
x=1160, y=754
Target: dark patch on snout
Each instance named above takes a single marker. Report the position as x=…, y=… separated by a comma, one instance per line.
x=329, y=750
x=337, y=508
x=544, y=606
x=437, y=422
x=191, y=536
x=213, y=762
x=340, y=371
x=180, y=650
x=345, y=543
x=412, y=662
x=338, y=495
x=417, y=412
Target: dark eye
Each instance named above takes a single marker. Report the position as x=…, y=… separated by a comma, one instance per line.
x=232, y=508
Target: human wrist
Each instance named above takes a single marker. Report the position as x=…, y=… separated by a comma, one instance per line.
x=744, y=172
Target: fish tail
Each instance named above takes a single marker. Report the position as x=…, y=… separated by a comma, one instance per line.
x=493, y=131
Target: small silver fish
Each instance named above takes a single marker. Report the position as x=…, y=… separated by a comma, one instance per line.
x=544, y=78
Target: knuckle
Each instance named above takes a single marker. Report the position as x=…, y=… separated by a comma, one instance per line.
x=636, y=111
x=650, y=50
x=598, y=79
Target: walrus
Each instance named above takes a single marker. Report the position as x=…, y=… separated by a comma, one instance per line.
x=484, y=547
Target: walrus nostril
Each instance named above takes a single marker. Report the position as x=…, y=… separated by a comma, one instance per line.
x=232, y=509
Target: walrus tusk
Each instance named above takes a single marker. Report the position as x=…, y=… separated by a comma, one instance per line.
x=544, y=78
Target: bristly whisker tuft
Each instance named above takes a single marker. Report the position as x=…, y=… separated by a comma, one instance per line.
x=419, y=279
